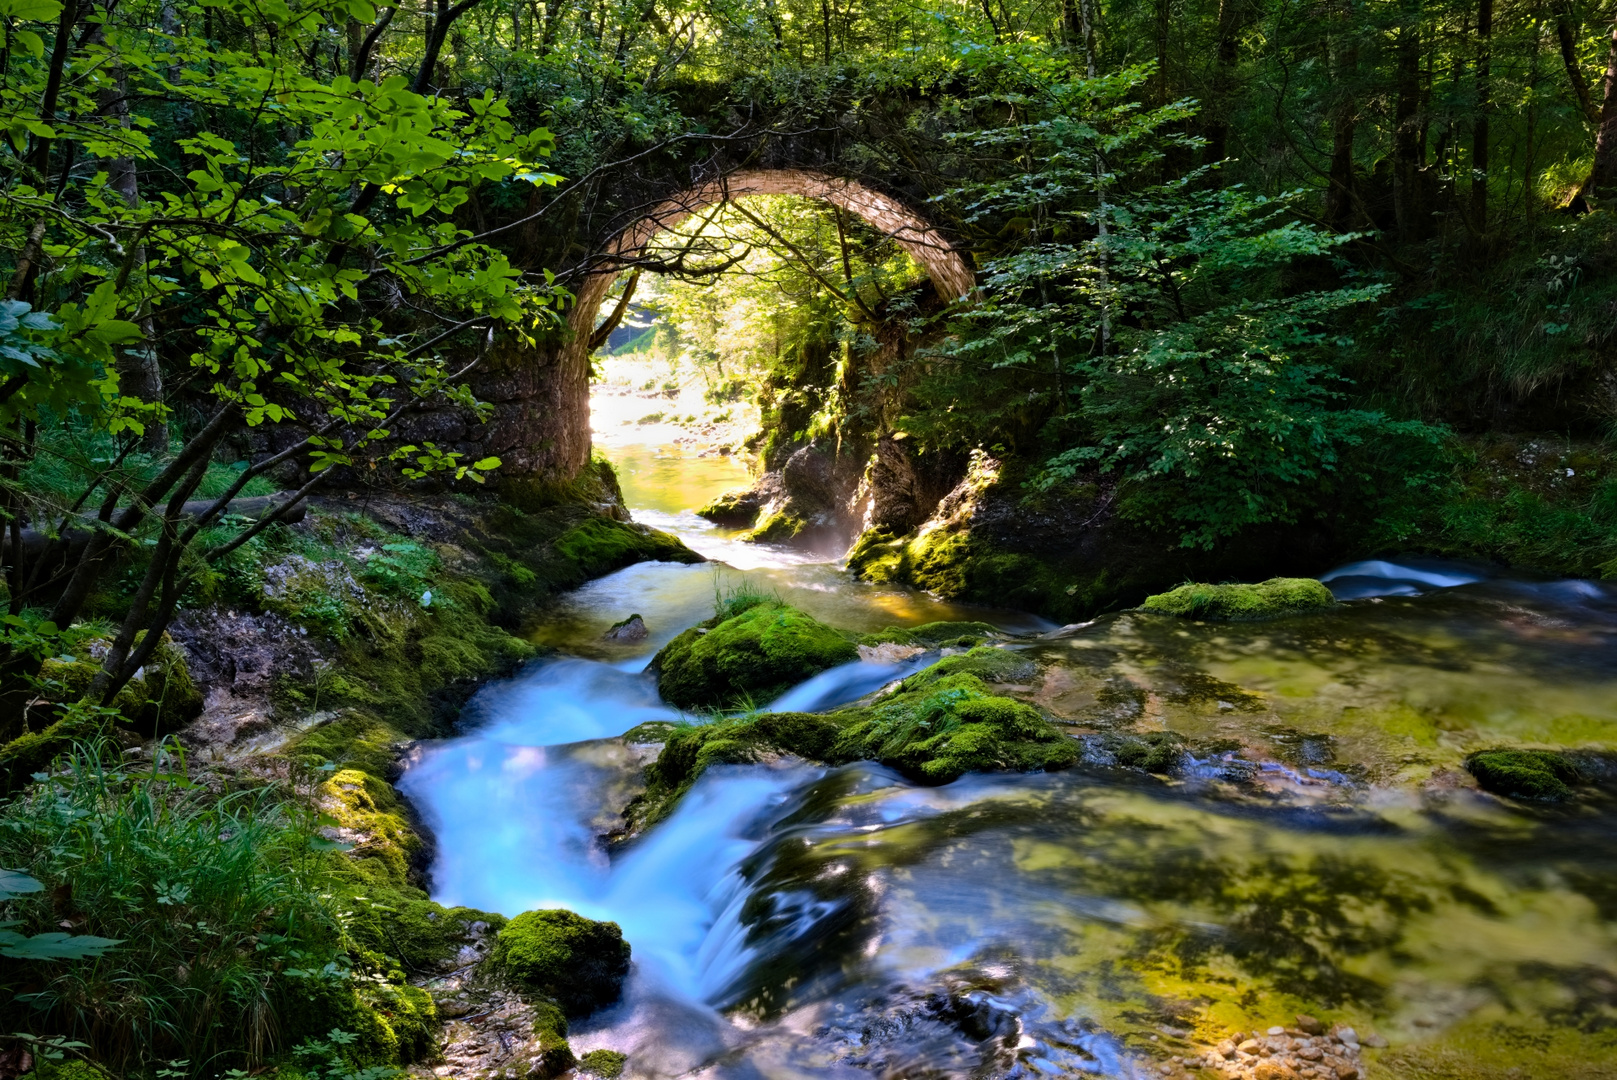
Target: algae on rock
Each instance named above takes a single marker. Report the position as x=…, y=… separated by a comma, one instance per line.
x=754, y=654
x=1265, y=600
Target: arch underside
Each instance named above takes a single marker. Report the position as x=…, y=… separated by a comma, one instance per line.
x=950, y=275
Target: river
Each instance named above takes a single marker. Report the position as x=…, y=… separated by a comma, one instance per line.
x=1324, y=854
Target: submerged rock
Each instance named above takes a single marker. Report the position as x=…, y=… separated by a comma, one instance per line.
x=629, y=630
x=755, y=654
x=1265, y=600
x=1542, y=775
x=577, y=961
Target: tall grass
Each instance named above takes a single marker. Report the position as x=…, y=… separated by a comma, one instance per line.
x=216, y=898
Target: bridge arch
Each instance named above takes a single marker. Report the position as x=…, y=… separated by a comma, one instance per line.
x=538, y=424
x=950, y=275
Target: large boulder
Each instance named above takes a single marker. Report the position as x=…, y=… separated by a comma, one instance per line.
x=577, y=962
x=752, y=656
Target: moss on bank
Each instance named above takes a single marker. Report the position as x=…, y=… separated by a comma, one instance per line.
x=936, y=726
x=755, y=654
x=1265, y=600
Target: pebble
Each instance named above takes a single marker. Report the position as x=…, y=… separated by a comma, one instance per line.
x=1288, y=1054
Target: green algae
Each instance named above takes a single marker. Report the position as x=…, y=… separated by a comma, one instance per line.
x=577, y=962
x=1265, y=600
x=754, y=655
x=1541, y=775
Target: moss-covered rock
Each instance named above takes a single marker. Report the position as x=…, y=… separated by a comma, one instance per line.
x=401, y=923
x=937, y=725
x=1541, y=775
x=160, y=697
x=578, y=962
x=736, y=509
x=550, y=1031
x=369, y=814
x=778, y=527
x=1265, y=600
x=754, y=655
x=607, y=1064
x=933, y=635
x=600, y=545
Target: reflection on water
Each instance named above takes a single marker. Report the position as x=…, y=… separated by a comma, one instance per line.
x=1319, y=850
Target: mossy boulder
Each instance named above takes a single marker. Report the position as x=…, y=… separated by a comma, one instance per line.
x=937, y=725
x=778, y=527
x=736, y=509
x=952, y=725
x=577, y=962
x=161, y=696
x=1265, y=600
x=1540, y=775
x=371, y=816
x=755, y=655
x=600, y=545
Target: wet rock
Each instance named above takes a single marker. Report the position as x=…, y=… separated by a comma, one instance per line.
x=1309, y=1025
x=888, y=652
x=629, y=630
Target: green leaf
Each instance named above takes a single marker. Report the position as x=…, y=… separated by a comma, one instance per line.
x=54, y=946
x=35, y=10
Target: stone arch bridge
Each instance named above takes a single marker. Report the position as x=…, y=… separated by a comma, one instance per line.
x=540, y=424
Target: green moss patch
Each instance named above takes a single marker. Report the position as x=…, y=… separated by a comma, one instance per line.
x=933, y=635
x=734, y=509
x=578, y=962
x=601, y=545
x=778, y=527
x=1541, y=775
x=936, y=726
x=604, y=1063
x=755, y=655
x=1265, y=600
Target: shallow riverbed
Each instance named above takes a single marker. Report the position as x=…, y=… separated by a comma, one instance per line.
x=1316, y=847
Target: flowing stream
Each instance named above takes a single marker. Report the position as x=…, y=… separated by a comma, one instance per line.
x=1323, y=854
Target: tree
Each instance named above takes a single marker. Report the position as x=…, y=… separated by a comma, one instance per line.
x=296, y=263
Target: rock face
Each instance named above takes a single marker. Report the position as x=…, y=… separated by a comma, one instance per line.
x=1068, y=553
x=576, y=961
x=816, y=497
x=755, y=654
x=1226, y=603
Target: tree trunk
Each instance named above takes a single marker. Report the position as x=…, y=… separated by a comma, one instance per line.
x=1479, y=130
x=139, y=372
x=1566, y=33
x=1218, y=125
x=1406, y=199
x=1603, y=178
x=1339, y=196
